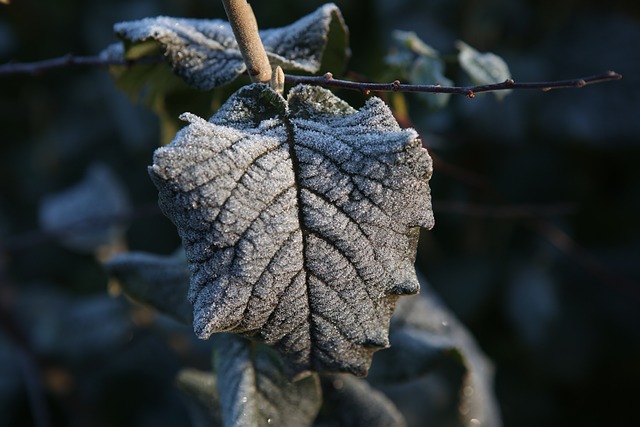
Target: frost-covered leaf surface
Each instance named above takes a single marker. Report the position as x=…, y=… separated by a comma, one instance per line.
x=419, y=63
x=300, y=220
x=483, y=68
x=205, y=53
x=254, y=390
x=88, y=215
x=159, y=281
x=424, y=337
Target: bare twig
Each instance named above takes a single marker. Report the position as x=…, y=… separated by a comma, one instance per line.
x=245, y=28
x=69, y=60
x=327, y=80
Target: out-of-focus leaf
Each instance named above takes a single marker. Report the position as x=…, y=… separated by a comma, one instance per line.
x=11, y=379
x=423, y=335
x=72, y=328
x=254, y=390
x=159, y=281
x=419, y=63
x=203, y=402
x=300, y=220
x=89, y=215
x=355, y=403
x=483, y=68
x=205, y=54
x=156, y=86
x=532, y=304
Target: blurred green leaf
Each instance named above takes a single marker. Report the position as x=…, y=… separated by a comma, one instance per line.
x=69, y=327
x=157, y=87
x=89, y=215
x=419, y=63
x=483, y=68
x=159, y=281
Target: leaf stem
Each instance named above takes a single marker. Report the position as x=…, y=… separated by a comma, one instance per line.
x=245, y=28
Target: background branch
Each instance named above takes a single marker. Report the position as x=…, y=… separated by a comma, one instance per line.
x=40, y=67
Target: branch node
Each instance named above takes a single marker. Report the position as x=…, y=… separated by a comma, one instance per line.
x=509, y=82
x=328, y=76
x=395, y=86
x=471, y=94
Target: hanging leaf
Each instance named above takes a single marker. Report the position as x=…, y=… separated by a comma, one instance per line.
x=300, y=220
x=254, y=390
x=205, y=54
x=159, y=281
x=483, y=68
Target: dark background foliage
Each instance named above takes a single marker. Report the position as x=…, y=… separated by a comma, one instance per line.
x=536, y=245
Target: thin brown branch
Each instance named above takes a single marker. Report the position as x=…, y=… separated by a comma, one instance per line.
x=40, y=67
x=327, y=80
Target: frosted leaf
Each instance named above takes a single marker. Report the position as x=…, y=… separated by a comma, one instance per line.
x=88, y=215
x=483, y=68
x=205, y=53
x=254, y=390
x=300, y=220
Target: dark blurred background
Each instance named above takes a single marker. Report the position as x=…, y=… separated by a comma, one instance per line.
x=537, y=198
